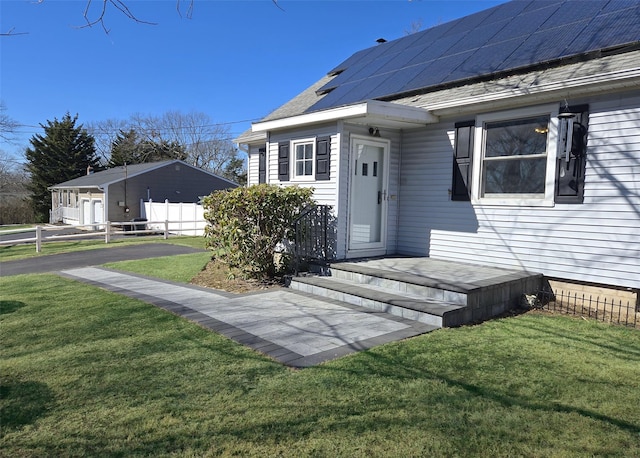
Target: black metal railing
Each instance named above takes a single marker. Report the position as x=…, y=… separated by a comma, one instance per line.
x=314, y=236
x=615, y=311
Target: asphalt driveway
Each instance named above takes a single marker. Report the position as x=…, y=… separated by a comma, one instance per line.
x=64, y=261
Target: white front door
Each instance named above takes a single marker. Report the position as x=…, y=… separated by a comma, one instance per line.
x=368, y=195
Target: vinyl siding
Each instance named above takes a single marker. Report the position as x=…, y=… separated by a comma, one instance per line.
x=597, y=241
x=325, y=191
x=252, y=165
x=173, y=182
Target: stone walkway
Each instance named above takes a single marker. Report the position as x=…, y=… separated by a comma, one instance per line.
x=293, y=328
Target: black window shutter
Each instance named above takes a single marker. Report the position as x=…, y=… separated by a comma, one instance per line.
x=283, y=161
x=462, y=160
x=570, y=174
x=262, y=165
x=323, y=158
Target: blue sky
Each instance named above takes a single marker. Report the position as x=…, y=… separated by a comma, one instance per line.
x=236, y=61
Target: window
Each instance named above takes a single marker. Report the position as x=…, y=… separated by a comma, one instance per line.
x=310, y=159
x=303, y=159
x=516, y=154
x=515, y=157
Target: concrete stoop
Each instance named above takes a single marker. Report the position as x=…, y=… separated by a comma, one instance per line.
x=436, y=299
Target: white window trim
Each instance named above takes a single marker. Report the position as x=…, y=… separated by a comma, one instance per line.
x=292, y=160
x=478, y=157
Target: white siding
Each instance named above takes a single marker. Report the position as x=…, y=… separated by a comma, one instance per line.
x=597, y=241
x=325, y=191
x=253, y=166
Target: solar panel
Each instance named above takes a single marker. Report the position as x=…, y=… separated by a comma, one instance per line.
x=478, y=38
x=469, y=23
x=438, y=71
x=524, y=24
x=398, y=80
x=485, y=60
x=509, y=36
x=543, y=46
x=568, y=14
x=608, y=30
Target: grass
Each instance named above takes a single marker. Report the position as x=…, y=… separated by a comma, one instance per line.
x=181, y=268
x=196, y=268
x=16, y=252
x=86, y=372
x=10, y=228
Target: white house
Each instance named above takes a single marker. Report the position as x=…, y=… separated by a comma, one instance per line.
x=507, y=138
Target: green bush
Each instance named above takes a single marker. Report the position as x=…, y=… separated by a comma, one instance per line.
x=246, y=225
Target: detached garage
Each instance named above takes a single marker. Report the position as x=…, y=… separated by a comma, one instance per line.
x=115, y=194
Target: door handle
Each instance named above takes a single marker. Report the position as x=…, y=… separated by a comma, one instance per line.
x=379, y=197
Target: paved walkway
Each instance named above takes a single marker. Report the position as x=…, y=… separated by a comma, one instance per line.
x=293, y=328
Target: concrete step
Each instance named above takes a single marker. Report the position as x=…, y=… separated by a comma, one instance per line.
x=403, y=282
x=406, y=304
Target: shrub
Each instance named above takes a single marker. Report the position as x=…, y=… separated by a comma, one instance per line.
x=247, y=224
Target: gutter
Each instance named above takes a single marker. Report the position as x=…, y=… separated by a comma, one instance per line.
x=575, y=87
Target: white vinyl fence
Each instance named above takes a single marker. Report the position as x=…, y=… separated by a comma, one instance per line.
x=183, y=218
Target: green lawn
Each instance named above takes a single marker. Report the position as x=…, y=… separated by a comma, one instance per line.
x=181, y=268
x=86, y=372
x=15, y=252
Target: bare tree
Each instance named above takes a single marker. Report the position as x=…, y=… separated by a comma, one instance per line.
x=208, y=145
x=96, y=11
x=8, y=125
x=105, y=133
x=14, y=204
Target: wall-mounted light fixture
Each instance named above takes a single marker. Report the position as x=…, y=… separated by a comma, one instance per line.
x=374, y=131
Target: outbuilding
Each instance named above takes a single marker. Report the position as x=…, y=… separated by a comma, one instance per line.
x=115, y=194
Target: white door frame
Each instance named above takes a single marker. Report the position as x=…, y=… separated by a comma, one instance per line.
x=373, y=248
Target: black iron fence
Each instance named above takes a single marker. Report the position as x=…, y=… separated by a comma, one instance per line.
x=610, y=310
x=314, y=236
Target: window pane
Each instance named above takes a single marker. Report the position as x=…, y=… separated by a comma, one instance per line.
x=515, y=176
x=517, y=137
x=299, y=168
x=308, y=166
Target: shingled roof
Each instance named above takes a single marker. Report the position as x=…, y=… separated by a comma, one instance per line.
x=514, y=38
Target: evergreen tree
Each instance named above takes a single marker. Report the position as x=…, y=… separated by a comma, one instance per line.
x=125, y=149
x=153, y=151
x=63, y=153
x=235, y=171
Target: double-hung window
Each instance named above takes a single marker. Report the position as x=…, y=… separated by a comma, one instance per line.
x=303, y=159
x=516, y=157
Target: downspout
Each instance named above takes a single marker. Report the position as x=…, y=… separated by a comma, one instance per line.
x=105, y=210
x=401, y=153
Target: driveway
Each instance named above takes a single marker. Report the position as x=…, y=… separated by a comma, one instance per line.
x=57, y=262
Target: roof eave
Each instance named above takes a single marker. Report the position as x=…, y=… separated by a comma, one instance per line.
x=370, y=111
x=570, y=88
